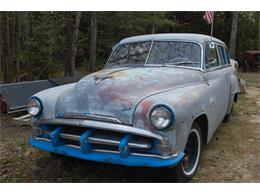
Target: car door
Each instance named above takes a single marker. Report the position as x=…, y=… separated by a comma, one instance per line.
x=218, y=85
x=227, y=70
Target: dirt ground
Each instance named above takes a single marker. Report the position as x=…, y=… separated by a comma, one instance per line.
x=232, y=156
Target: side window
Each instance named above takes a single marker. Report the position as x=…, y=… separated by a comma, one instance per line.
x=224, y=56
x=227, y=56
x=211, y=58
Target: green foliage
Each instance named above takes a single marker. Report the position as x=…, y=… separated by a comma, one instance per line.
x=48, y=34
x=248, y=32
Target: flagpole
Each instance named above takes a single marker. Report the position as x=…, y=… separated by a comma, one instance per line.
x=212, y=24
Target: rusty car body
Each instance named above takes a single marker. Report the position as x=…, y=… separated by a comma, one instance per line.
x=158, y=98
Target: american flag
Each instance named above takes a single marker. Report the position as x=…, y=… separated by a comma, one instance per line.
x=209, y=17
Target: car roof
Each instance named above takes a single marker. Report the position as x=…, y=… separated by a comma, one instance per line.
x=199, y=38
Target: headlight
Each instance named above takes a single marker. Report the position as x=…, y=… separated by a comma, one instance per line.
x=161, y=117
x=34, y=107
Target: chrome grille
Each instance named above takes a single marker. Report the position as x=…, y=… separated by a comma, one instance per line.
x=99, y=139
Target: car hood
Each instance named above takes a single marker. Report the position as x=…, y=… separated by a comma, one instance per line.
x=116, y=92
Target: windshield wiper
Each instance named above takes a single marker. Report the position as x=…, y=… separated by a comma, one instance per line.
x=180, y=63
x=171, y=64
x=155, y=65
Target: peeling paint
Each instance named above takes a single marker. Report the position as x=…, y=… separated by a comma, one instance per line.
x=120, y=90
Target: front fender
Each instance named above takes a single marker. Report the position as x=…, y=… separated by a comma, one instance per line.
x=48, y=98
x=186, y=103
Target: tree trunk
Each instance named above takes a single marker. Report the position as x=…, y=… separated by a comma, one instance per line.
x=1, y=44
x=30, y=60
x=7, y=78
x=12, y=37
x=93, y=41
x=72, y=28
x=153, y=28
x=233, y=35
x=258, y=30
x=18, y=43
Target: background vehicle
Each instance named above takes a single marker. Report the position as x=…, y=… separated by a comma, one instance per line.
x=251, y=58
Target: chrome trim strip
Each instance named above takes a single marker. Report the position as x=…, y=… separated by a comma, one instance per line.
x=42, y=139
x=69, y=136
x=72, y=146
x=90, y=117
x=136, y=145
x=133, y=154
x=148, y=55
x=95, y=140
x=154, y=155
x=105, y=126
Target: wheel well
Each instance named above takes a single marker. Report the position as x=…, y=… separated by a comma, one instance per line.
x=236, y=98
x=202, y=121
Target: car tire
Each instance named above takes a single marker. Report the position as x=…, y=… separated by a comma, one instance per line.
x=188, y=166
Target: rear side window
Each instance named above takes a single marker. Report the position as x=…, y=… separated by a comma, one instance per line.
x=224, y=56
x=227, y=56
x=221, y=55
x=211, y=58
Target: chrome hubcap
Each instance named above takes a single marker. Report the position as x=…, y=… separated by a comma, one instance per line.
x=192, y=151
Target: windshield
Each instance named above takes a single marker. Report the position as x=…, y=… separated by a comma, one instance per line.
x=130, y=54
x=171, y=53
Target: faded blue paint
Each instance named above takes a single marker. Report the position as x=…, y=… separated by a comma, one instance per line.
x=55, y=136
x=85, y=146
x=140, y=161
x=121, y=89
x=123, y=149
x=44, y=127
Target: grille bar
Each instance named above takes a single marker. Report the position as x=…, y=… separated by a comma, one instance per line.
x=105, y=141
x=70, y=136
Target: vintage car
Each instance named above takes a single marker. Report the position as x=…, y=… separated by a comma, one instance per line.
x=251, y=58
x=156, y=101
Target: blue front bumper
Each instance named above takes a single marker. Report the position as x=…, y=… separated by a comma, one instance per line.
x=131, y=160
